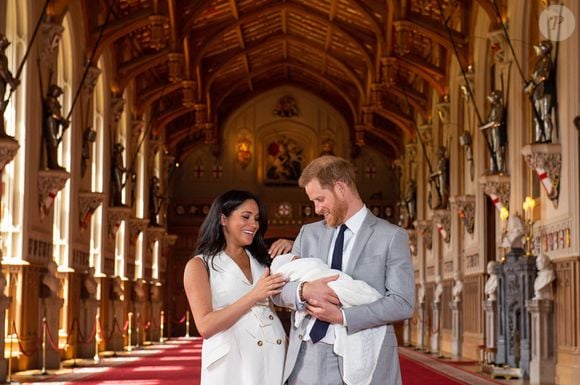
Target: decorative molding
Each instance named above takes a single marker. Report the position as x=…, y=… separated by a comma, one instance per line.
x=8, y=150
x=169, y=239
x=157, y=24
x=136, y=226
x=442, y=219
x=154, y=145
x=138, y=126
x=88, y=202
x=188, y=93
x=116, y=215
x=90, y=82
x=465, y=206
x=154, y=233
x=546, y=160
x=200, y=115
x=412, y=241
x=175, y=65
x=426, y=132
x=51, y=34
x=50, y=182
x=359, y=132
x=444, y=112
x=376, y=91
x=117, y=108
x=425, y=230
x=499, y=46
x=497, y=188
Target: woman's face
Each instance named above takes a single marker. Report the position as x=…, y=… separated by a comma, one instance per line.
x=242, y=224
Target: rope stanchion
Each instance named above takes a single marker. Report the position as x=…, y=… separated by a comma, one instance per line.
x=43, y=371
x=161, y=321
x=187, y=324
x=9, y=374
x=130, y=332
x=138, y=323
x=96, y=357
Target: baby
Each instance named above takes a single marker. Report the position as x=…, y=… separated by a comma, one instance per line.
x=365, y=343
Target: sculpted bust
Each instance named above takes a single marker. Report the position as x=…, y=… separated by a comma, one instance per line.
x=438, y=290
x=491, y=283
x=90, y=283
x=421, y=292
x=515, y=233
x=457, y=287
x=50, y=280
x=546, y=275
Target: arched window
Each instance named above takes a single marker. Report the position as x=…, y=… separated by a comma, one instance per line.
x=62, y=209
x=12, y=176
x=97, y=170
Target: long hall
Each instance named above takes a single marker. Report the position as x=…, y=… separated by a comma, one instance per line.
x=122, y=120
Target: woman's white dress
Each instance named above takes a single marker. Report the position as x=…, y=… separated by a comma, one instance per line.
x=252, y=351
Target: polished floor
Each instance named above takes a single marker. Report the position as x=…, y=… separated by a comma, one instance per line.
x=177, y=361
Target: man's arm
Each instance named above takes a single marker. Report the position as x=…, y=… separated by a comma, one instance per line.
x=398, y=301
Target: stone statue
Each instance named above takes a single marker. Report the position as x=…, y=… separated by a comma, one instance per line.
x=421, y=292
x=140, y=291
x=457, y=289
x=155, y=200
x=438, y=289
x=542, y=90
x=6, y=79
x=411, y=201
x=440, y=177
x=496, y=133
x=491, y=283
x=89, y=137
x=515, y=233
x=155, y=292
x=546, y=275
x=90, y=283
x=50, y=280
x=54, y=126
x=117, y=291
x=118, y=172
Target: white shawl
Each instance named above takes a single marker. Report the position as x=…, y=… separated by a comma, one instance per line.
x=359, y=351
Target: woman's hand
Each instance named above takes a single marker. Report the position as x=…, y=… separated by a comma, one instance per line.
x=280, y=246
x=268, y=285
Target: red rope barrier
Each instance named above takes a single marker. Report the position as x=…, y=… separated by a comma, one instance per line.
x=22, y=350
x=52, y=343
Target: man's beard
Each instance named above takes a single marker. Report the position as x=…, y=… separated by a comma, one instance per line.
x=337, y=215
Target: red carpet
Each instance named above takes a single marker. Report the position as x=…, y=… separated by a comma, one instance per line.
x=414, y=373
x=177, y=362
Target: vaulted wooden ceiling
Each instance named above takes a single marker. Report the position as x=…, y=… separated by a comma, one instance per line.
x=194, y=61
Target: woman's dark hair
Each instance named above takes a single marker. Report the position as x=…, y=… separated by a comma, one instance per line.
x=211, y=240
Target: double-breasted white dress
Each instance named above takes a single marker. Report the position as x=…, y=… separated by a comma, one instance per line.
x=252, y=351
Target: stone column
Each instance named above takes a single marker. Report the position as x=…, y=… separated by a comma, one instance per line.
x=457, y=328
x=421, y=326
x=88, y=327
x=543, y=360
x=434, y=349
x=4, y=303
x=50, y=309
x=407, y=332
x=489, y=307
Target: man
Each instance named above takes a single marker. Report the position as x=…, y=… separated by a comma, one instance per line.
x=373, y=250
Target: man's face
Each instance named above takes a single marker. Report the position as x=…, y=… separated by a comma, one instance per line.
x=327, y=203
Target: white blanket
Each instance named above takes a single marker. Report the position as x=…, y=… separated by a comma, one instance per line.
x=359, y=351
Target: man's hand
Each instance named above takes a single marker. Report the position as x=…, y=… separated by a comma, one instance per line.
x=319, y=292
x=325, y=311
x=280, y=246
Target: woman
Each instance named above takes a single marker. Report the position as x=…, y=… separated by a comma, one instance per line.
x=228, y=285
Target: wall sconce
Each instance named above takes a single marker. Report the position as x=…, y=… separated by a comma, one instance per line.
x=243, y=153
x=528, y=205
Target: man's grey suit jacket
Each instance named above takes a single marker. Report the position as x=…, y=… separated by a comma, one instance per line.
x=381, y=257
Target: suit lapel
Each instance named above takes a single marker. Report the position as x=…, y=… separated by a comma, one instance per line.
x=365, y=232
x=324, y=244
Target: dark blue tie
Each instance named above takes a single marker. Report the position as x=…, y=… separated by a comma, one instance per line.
x=319, y=328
